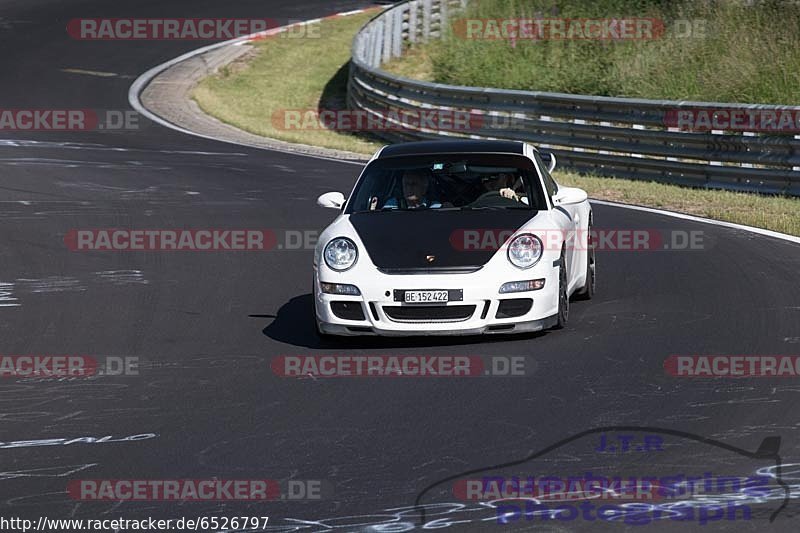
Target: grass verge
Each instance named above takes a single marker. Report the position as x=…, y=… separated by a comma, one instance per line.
x=280, y=74
x=769, y=212
x=714, y=51
x=310, y=73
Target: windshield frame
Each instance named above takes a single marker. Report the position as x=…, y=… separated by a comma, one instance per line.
x=529, y=174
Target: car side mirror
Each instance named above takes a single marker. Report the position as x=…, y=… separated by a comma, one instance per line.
x=551, y=166
x=569, y=195
x=331, y=200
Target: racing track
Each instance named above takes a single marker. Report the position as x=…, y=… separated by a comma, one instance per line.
x=206, y=325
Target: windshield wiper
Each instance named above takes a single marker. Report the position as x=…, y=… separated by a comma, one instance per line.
x=383, y=209
x=377, y=210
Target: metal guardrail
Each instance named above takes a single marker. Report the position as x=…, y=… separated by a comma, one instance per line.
x=621, y=137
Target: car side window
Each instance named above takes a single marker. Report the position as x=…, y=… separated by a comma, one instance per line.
x=549, y=182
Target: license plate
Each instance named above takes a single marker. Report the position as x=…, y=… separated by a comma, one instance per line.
x=416, y=297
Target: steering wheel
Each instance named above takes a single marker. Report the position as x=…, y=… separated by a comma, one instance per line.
x=490, y=199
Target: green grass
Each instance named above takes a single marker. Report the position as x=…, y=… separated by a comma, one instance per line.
x=288, y=73
x=776, y=213
x=302, y=73
x=745, y=54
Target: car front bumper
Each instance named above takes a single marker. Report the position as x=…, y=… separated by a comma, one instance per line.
x=482, y=310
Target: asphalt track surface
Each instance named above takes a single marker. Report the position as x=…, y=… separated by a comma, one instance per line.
x=207, y=325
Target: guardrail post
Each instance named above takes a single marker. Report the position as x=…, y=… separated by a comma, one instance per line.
x=672, y=158
x=605, y=124
x=579, y=121
x=386, y=45
x=378, y=48
x=637, y=127
x=796, y=138
x=427, y=10
x=716, y=163
x=750, y=134
x=397, y=31
x=412, y=22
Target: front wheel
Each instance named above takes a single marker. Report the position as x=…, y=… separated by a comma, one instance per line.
x=563, y=297
x=587, y=291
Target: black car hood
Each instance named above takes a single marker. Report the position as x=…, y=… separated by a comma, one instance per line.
x=399, y=241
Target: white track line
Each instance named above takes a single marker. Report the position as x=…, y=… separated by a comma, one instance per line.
x=143, y=80
x=760, y=231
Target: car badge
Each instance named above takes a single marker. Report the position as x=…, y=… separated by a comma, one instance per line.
x=430, y=258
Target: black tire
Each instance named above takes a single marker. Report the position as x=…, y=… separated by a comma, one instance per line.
x=587, y=291
x=563, y=297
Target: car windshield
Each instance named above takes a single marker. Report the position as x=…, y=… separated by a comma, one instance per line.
x=448, y=182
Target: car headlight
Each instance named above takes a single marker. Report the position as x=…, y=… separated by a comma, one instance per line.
x=340, y=254
x=525, y=250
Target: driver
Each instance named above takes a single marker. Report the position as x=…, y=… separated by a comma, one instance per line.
x=415, y=186
x=501, y=183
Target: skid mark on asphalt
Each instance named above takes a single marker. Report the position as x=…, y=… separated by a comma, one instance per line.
x=74, y=163
x=17, y=209
x=61, y=284
x=48, y=472
x=97, y=73
x=756, y=430
x=122, y=277
x=17, y=143
x=8, y=24
x=48, y=285
x=735, y=401
x=7, y=298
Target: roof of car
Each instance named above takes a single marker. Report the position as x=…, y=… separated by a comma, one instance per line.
x=452, y=147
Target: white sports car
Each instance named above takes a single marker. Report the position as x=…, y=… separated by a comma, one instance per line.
x=453, y=238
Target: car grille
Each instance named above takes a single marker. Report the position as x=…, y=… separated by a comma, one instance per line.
x=432, y=313
x=513, y=307
x=431, y=270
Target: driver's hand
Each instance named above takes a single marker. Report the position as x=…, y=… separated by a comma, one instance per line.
x=509, y=193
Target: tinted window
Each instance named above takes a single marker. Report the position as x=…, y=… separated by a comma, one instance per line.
x=452, y=181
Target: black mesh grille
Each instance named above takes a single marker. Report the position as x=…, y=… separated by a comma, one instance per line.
x=433, y=313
